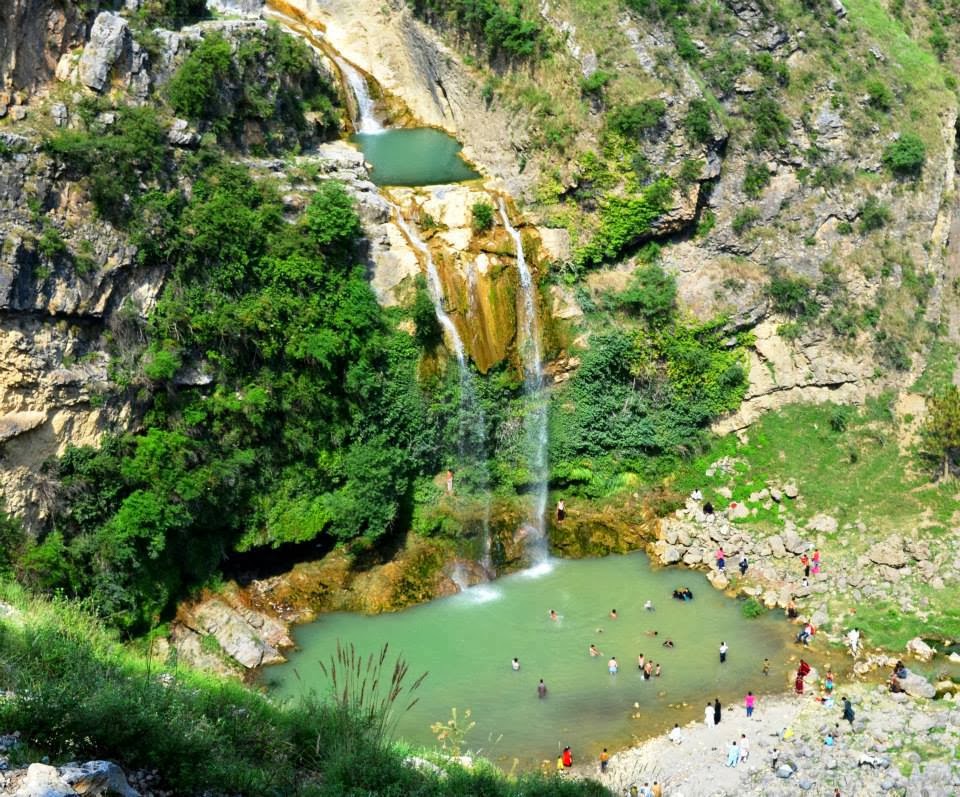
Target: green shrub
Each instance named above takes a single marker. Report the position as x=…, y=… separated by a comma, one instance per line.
x=162, y=363
x=631, y=121
x=751, y=608
x=481, y=216
x=193, y=89
x=428, y=330
x=939, y=40
x=844, y=228
x=873, y=215
x=51, y=243
x=595, y=83
x=626, y=220
x=170, y=13
x=905, y=156
x=651, y=295
x=793, y=296
x=745, y=219
x=756, y=177
x=690, y=171
x=770, y=126
x=879, y=94
x=698, y=121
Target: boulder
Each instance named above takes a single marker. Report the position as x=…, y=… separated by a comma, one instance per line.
x=96, y=778
x=693, y=556
x=737, y=511
x=793, y=542
x=888, y=552
x=790, y=489
x=669, y=554
x=776, y=494
x=777, y=548
x=108, y=36
x=784, y=771
x=718, y=580
x=181, y=135
x=917, y=686
x=43, y=780
x=823, y=523
x=919, y=649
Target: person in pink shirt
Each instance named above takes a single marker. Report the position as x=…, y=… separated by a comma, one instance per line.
x=750, y=701
x=721, y=559
x=816, y=561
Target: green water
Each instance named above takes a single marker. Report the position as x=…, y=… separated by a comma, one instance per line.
x=466, y=642
x=413, y=156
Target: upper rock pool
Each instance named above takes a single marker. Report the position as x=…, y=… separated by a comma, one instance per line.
x=413, y=156
x=467, y=642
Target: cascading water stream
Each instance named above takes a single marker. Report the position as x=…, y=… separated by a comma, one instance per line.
x=366, y=121
x=536, y=416
x=472, y=423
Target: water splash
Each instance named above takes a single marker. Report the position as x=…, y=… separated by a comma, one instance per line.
x=366, y=121
x=536, y=415
x=472, y=438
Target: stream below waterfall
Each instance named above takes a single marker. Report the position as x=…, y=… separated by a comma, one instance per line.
x=466, y=642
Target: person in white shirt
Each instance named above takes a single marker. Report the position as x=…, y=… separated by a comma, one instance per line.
x=723, y=652
x=853, y=638
x=744, y=748
x=676, y=735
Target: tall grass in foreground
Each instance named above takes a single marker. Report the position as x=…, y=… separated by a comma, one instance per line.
x=74, y=692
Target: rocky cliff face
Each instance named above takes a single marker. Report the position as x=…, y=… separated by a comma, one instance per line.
x=33, y=36
x=70, y=294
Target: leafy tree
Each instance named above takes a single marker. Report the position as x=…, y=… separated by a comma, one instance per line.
x=482, y=216
x=697, y=121
x=193, y=88
x=631, y=121
x=651, y=295
x=428, y=331
x=756, y=177
x=941, y=432
x=879, y=95
x=873, y=215
x=905, y=156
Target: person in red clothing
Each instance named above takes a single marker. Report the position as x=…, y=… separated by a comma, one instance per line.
x=567, y=757
x=805, y=561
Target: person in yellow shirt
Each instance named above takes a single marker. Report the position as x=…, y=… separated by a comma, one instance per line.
x=656, y=790
x=604, y=760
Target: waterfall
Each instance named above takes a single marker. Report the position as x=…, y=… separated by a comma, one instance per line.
x=536, y=416
x=366, y=121
x=472, y=423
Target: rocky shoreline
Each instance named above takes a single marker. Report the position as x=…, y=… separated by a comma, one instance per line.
x=896, y=745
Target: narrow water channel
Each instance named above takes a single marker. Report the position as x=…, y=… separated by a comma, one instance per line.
x=466, y=643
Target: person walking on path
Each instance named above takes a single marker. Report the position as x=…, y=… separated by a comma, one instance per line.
x=733, y=754
x=541, y=689
x=721, y=559
x=749, y=702
x=656, y=790
x=774, y=758
x=716, y=711
x=743, y=564
x=604, y=760
x=848, y=714
x=815, y=560
x=723, y=652
x=708, y=716
x=744, y=748
x=805, y=561
x=853, y=639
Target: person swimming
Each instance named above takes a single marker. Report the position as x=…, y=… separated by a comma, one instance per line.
x=651, y=633
x=613, y=614
x=668, y=643
x=554, y=616
x=683, y=594
x=594, y=651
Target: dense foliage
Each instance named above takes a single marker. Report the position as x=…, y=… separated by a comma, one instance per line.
x=648, y=392
x=312, y=424
x=502, y=29
x=271, y=78
x=905, y=156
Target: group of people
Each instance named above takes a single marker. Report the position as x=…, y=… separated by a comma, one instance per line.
x=721, y=557
x=683, y=594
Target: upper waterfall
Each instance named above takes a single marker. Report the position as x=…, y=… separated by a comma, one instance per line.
x=366, y=121
x=531, y=352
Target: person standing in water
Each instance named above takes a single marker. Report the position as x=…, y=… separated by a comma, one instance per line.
x=716, y=711
x=612, y=665
x=613, y=614
x=766, y=666
x=647, y=670
x=541, y=689
x=723, y=652
x=604, y=760
x=515, y=664
x=641, y=660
